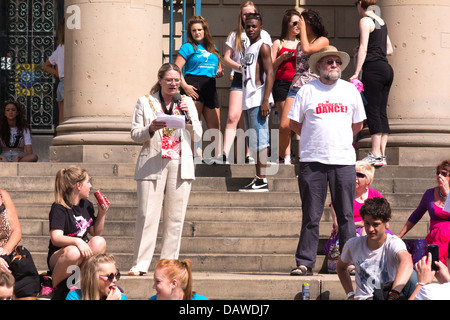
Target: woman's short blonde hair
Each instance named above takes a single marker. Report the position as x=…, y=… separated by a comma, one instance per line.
x=367, y=169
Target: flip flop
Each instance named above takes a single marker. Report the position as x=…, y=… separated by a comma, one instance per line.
x=301, y=271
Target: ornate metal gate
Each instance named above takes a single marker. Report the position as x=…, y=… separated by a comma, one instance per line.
x=27, y=39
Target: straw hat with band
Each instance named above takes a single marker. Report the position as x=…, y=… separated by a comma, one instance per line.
x=328, y=51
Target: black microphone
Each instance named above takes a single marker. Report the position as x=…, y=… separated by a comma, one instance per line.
x=176, y=98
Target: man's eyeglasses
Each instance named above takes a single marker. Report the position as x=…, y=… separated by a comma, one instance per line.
x=110, y=277
x=442, y=173
x=330, y=62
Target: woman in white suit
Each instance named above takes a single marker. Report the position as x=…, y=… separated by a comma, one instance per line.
x=164, y=169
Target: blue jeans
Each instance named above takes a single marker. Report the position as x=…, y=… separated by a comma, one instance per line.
x=257, y=129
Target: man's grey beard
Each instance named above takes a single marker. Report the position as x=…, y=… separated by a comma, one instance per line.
x=332, y=75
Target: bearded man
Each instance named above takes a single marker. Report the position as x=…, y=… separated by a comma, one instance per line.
x=327, y=113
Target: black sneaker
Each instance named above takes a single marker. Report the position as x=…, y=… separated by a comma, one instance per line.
x=257, y=185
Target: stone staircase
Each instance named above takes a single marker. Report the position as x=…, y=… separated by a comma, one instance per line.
x=241, y=244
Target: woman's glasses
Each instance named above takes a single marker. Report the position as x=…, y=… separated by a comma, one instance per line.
x=295, y=23
x=110, y=277
x=360, y=175
x=442, y=173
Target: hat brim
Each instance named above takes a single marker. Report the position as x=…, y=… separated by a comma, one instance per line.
x=315, y=57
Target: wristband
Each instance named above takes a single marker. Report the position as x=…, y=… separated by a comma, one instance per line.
x=351, y=293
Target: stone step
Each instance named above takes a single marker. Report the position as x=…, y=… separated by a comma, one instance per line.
x=212, y=198
x=211, y=184
x=194, y=213
x=245, y=286
x=220, y=228
x=201, y=170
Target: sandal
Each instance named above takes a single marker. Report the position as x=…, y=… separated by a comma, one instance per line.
x=301, y=271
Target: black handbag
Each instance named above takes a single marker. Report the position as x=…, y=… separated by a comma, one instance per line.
x=27, y=280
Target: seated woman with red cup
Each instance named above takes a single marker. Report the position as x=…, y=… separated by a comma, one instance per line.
x=72, y=218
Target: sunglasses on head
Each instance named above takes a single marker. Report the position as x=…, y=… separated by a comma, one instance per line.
x=442, y=173
x=110, y=277
x=360, y=175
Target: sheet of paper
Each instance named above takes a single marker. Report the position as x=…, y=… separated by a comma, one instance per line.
x=172, y=121
x=447, y=204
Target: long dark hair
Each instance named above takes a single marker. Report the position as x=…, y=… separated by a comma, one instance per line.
x=285, y=22
x=313, y=18
x=207, y=40
x=21, y=122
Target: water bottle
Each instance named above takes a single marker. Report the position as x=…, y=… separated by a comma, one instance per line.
x=305, y=291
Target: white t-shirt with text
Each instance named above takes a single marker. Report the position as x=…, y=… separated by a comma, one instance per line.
x=327, y=113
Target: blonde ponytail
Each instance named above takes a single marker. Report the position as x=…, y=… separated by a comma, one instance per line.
x=65, y=183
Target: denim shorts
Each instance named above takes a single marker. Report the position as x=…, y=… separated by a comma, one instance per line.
x=292, y=92
x=236, y=84
x=257, y=129
x=60, y=90
x=11, y=154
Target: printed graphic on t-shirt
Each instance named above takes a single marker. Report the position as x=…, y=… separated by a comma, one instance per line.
x=247, y=61
x=82, y=226
x=331, y=107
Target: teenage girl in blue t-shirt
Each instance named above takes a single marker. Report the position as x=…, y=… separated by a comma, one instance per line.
x=201, y=61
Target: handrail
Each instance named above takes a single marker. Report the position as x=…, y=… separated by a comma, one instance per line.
x=198, y=10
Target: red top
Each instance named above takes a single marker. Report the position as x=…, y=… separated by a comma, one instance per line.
x=286, y=70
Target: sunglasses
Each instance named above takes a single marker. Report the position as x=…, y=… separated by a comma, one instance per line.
x=330, y=62
x=110, y=277
x=442, y=173
x=257, y=15
x=295, y=23
x=360, y=175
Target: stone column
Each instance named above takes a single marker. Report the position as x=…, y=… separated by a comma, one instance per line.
x=113, y=50
x=419, y=101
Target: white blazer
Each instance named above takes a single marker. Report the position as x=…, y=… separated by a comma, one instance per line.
x=149, y=162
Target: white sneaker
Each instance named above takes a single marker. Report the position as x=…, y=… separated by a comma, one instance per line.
x=373, y=160
x=257, y=185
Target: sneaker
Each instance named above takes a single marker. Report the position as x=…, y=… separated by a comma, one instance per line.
x=249, y=160
x=257, y=185
x=373, y=160
x=135, y=272
x=47, y=290
x=286, y=160
x=225, y=160
x=383, y=161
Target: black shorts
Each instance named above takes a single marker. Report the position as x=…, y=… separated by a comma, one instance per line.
x=206, y=89
x=280, y=89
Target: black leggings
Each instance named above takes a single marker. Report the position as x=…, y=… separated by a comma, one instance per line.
x=377, y=77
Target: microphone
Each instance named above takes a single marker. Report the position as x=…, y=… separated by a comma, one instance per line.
x=176, y=98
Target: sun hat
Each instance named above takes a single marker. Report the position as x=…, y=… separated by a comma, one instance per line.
x=328, y=51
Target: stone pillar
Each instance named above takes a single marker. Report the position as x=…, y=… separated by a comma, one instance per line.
x=419, y=101
x=112, y=55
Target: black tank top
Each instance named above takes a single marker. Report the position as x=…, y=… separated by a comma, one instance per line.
x=376, y=47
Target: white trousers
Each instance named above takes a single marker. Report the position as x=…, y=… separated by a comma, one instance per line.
x=171, y=194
